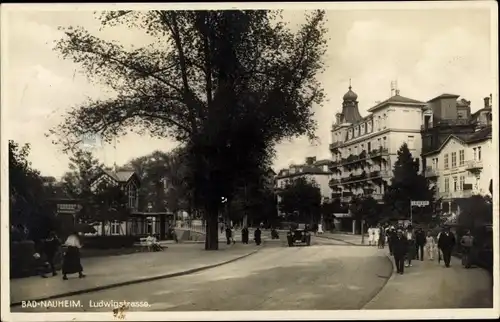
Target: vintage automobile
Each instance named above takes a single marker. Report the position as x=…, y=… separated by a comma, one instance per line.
x=299, y=237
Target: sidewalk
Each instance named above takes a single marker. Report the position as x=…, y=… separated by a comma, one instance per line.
x=429, y=285
x=104, y=272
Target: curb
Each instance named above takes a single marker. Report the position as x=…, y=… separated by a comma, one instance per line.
x=393, y=275
x=147, y=279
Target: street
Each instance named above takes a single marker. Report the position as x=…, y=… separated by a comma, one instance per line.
x=325, y=276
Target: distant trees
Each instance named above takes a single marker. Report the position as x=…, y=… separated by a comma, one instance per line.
x=301, y=200
x=406, y=185
x=108, y=203
x=475, y=212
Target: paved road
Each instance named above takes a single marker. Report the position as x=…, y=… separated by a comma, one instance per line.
x=325, y=275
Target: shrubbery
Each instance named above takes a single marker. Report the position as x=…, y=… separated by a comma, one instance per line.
x=108, y=242
x=22, y=262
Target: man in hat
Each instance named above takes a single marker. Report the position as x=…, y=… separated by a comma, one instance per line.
x=399, y=249
x=446, y=243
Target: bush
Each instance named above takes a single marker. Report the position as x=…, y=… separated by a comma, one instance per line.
x=22, y=262
x=108, y=242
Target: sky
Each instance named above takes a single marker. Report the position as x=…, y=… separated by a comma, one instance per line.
x=428, y=52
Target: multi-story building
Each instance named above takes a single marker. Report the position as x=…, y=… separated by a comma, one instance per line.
x=314, y=171
x=445, y=115
x=364, y=149
x=463, y=165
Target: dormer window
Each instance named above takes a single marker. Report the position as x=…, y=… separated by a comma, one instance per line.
x=362, y=129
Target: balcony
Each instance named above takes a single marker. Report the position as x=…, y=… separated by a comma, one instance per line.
x=353, y=178
x=379, y=152
x=334, y=146
x=379, y=174
x=431, y=173
x=474, y=165
x=447, y=123
x=333, y=182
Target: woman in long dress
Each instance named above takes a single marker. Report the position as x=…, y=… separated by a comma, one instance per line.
x=71, y=260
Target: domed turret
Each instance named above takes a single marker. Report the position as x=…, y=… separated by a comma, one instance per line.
x=350, y=95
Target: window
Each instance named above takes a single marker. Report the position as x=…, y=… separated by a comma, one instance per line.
x=362, y=129
x=461, y=157
x=379, y=123
x=455, y=183
x=462, y=182
x=379, y=143
x=437, y=163
x=356, y=149
x=446, y=165
x=385, y=121
x=478, y=153
x=115, y=228
x=475, y=153
x=356, y=131
x=453, y=159
x=385, y=142
x=369, y=146
x=411, y=142
x=446, y=184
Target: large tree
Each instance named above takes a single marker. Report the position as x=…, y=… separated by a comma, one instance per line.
x=408, y=185
x=29, y=197
x=301, y=200
x=227, y=84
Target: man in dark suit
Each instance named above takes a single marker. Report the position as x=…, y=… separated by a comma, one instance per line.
x=399, y=249
x=420, y=243
x=446, y=243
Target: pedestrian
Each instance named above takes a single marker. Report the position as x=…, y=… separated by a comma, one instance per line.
x=51, y=247
x=446, y=243
x=420, y=243
x=399, y=249
x=391, y=235
x=221, y=228
x=228, y=235
x=430, y=245
x=381, y=238
x=233, y=234
x=440, y=253
x=371, y=236
x=71, y=259
x=257, y=236
x=244, y=235
x=467, y=241
x=410, y=237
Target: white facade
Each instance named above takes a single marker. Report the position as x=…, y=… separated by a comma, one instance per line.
x=364, y=152
x=314, y=172
x=462, y=168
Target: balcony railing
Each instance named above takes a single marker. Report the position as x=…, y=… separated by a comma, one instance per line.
x=444, y=123
x=352, y=177
x=335, y=145
x=474, y=165
x=353, y=158
x=431, y=173
x=379, y=174
x=333, y=182
x=379, y=152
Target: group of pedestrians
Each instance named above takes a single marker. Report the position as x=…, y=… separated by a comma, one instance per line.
x=407, y=244
x=48, y=249
x=230, y=233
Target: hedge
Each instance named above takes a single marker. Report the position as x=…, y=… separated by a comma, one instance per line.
x=108, y=242
x=22, y=262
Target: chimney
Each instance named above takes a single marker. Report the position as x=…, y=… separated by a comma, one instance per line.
x=487, y=102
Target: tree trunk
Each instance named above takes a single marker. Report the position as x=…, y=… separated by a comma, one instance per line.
x=212, y=231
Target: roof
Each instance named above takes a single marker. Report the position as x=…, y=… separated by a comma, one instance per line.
x=305, y=170
x=476, y=113
x=323, y=162
x=444, y=96
x=120, y=176
x=397, y=99
x=478, y=136
x=350, y=95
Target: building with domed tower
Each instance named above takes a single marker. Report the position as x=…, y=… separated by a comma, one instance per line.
x=364, y=148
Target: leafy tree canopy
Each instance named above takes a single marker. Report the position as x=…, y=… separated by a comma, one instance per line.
x=365, y=208
x=227, y=84
x=406, y=185
x=28, y=195
x=302, y=197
